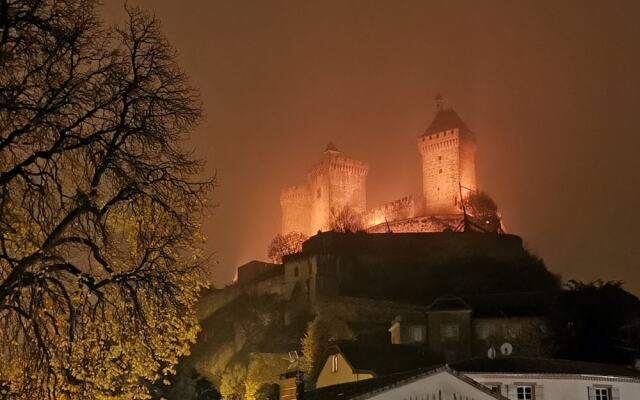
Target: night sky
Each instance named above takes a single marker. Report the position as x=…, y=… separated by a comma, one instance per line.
x=551, y=90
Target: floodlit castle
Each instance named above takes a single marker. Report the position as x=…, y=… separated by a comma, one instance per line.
x=448, y=153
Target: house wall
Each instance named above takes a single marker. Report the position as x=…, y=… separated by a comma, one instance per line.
x=527, y=336
x=344, y=373
x=451, y=349
x=561, y=387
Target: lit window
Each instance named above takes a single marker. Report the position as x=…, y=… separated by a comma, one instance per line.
x=524, y=393
x=334, y=363
x=417, y=334
x=602, y=394
x=449, y=331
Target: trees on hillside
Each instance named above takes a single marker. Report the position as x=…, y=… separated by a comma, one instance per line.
x=100, y=254
x=596, y=321
x=283, y=245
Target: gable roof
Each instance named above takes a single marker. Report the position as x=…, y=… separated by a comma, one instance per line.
x=331, y=147
x=525, y=365
x=370, y=387
x=446, y=120
x=386, y=359
x=448, y=303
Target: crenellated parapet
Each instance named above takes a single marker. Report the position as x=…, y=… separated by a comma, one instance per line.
x=400, y=209
x=295, y=194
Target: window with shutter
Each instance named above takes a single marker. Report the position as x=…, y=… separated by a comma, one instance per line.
x=591, y=392
x=539, y=392
x=524, y=392
x=615, y=393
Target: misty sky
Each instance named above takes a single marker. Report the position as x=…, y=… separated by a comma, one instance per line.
x=552, y=90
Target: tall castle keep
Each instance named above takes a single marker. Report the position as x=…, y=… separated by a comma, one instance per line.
x=448, y=153
x=336, y=182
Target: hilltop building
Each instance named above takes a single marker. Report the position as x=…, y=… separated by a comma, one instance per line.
x=448, y=152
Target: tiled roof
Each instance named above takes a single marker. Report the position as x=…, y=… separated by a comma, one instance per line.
x=386, y=359
x=369, y=387
x=446, y=120
x=331, y=147
x=514, y=304
x=449, y=303
x=524, y=365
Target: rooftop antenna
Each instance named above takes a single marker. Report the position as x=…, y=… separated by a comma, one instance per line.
x=387, y=223
x=439, y=102
x=294, y=360
x=465, y=220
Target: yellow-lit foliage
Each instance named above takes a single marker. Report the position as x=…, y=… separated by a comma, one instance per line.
x=100, y=249
x=321, y=332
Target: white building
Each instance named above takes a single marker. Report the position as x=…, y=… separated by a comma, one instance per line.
x=359, y=372
x=438, y=384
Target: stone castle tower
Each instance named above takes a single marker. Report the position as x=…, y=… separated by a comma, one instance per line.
x=336, y=182
x=448, y=153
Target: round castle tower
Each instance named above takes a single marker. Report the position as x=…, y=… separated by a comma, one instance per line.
x=295, y=203
x=448, y=151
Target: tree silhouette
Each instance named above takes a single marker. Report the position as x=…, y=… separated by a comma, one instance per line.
x=283, y=245
x=100, y=259
x=345, y=219
x=596, y=321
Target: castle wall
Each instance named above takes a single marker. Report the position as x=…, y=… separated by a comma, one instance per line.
x=320, y=198
x=434, y=223
x=468, y=166
x=295, y=204
x=397, y=210
x=444, y=156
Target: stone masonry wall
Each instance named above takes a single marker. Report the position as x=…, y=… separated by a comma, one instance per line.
x=442, y=161
x=335, y=183
x=397, y=210
x=295, y=203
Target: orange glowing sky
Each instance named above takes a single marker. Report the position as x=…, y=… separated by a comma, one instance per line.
x=551, y=89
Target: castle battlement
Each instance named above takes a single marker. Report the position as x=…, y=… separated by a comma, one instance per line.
x=295, y=194
x=342, y=165
x=400, y=209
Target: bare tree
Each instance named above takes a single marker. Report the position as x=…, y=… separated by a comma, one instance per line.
x=286, y=244
x=345, y=219
x=100, y=259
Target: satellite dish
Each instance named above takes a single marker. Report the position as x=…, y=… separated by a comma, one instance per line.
x=492, y=353
x=506, y=349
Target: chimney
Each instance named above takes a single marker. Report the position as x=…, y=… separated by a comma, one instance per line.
x=291, y=386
